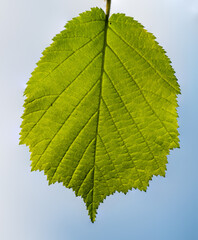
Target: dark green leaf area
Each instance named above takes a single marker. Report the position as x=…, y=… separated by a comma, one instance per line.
x=100, y=110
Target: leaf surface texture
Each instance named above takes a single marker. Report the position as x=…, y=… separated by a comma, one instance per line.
x=100, y=110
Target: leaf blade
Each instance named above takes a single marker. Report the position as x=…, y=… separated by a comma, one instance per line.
x=100, y=110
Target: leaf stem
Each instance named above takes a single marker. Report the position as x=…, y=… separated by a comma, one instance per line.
x=108, y=7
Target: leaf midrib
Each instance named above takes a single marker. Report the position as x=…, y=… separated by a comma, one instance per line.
x=99, y=104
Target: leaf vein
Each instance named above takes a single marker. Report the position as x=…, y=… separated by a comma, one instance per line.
x=61, y=94
x=111, y=160
x=76, y=167
x=73, y=143
x=146, y=100
x=127, y=150
x=145, y=140
x=145, y=59
x=39, y=98
x=68, y=117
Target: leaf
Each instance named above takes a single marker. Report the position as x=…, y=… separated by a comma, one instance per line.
x=100, y=110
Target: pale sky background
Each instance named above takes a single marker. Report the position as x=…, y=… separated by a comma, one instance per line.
x=32, y=210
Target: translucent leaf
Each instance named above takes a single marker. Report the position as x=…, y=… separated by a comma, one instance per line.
x=100, y=110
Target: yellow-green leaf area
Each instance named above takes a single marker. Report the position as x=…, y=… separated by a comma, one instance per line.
x=100, y=109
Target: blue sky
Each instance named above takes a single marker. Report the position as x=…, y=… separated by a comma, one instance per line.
x=32, y=210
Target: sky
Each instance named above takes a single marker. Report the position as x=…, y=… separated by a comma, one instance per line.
x=32, y=210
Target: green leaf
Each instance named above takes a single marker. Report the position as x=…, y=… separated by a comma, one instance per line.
x=100, y=110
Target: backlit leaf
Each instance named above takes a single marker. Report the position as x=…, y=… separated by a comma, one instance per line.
x=100, y=110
